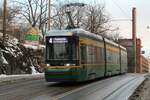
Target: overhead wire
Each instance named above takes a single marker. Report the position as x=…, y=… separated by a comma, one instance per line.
x=121, y=9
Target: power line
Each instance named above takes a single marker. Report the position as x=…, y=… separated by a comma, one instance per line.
x=122, y=10
x=121, y=20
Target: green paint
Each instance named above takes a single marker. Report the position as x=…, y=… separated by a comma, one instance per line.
x=86, y=72
x=31, y=37
x=61, y=74
x=113, y=69
x=90, y=71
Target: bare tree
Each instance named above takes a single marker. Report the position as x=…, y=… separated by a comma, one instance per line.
x=59, y=18
x=12, y=12
x=91, y=17
x=96, y=21
x=34, y=12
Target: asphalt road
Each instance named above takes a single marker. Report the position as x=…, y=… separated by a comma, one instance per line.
x=33, y=90
x=119, y=87
x=38, y=89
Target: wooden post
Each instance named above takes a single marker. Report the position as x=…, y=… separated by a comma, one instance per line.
x=49, y=14
x=4, y=20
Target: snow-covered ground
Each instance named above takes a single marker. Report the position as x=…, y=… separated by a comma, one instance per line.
x=34, y=46
x=7, y=78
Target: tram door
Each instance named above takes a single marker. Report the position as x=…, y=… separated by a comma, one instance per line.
x=83, y=57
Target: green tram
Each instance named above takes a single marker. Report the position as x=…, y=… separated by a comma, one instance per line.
x=78, y=55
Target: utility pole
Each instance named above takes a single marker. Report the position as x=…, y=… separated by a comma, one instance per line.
x=49, y=14
x=4, y=20
x=134, y=35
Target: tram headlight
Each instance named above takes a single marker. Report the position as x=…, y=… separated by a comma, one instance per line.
x=70, y=64
x=47, y=65
x=67, y=64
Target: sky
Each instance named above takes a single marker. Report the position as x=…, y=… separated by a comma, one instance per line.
x=122, y=9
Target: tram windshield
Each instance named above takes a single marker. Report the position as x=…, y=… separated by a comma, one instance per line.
x=61, y=50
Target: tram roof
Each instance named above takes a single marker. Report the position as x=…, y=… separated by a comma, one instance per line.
x=74, y=32
x=123, y=47
x=81, y=33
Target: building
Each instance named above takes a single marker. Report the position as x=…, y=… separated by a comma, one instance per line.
x=144, y=65
x=141, y=63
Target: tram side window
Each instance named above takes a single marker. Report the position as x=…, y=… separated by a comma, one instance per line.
x=90, y=54
x=99, y=56
x=124, y=58
x=102, y=56
x=109, y=57
x=115, y=57
x=83, y=54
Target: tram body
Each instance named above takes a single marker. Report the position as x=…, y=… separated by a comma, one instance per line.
x=78, y=55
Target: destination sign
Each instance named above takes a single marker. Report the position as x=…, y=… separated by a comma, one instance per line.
x=58, y=40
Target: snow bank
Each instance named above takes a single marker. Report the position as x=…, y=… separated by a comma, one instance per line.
x=34, y=47
x=4, y=78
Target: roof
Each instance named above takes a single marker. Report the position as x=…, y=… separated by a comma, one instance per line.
x=74, y=32
x=123, y=48
x=111, y=42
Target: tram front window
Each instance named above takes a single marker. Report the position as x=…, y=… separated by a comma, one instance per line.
x=61, y=51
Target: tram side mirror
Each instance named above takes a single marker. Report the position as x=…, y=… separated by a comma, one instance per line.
x=143, y=52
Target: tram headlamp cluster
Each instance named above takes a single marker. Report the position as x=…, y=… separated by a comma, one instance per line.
x=47, y=64
x=69, y=64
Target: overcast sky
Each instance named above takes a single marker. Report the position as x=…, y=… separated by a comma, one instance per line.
x=122, y=9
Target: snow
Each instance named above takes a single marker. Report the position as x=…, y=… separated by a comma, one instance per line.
x=32, y=67
x=4, y=51
x=33, y=70
x=15, y=41
x=3, y=75
x=11, y=51
x=4, y=78
x=30, y=46
x=2, y=59
x=12, y=47
x=18, y=75
x=34, y=46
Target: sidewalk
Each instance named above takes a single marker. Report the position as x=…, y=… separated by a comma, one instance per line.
x=143, y=91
